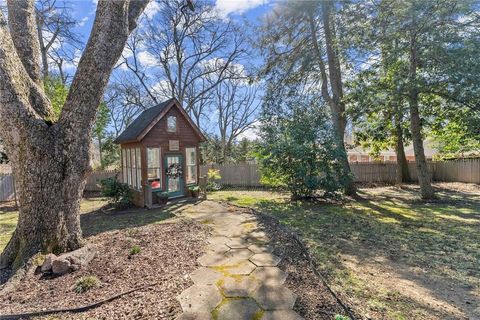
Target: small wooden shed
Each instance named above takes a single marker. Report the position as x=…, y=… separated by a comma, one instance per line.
x=160, y=153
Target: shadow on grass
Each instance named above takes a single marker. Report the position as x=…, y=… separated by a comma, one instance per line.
x=395, y=231
x=99, y=221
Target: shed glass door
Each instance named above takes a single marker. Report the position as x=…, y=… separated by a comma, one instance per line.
x=174, y=174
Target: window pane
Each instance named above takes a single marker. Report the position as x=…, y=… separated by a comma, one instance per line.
x=191, y=156
x=134, y=169
x=191, y=161
x=138, y=158
x=191, y=174
x=154, y=173
x=124, y=166
x=129, y=167
x=172, y=123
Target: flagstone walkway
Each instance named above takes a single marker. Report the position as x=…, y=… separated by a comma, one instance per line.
x=238, y=278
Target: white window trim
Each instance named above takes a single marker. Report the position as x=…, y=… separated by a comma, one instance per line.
x=160, y=165
x=195, y=181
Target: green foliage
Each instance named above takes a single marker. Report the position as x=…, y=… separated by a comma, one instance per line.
x=213, y=175
x=102, y=120
x=110, y=152
x=120, y=193
x=85, y=283
x=194, y=188
x=163, y=195
x=135, y=250
x=456, y=132
x=57, y=92
x=340, y=317
x=238, y=151
x=444, y=36
x=297, y=151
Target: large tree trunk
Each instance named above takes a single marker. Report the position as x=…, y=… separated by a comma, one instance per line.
x=424, y=178
x=337, y=105
x=49, y=196
x=51, y=160
x=403, y=175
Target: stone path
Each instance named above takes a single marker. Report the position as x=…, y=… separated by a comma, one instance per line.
x=238, y=278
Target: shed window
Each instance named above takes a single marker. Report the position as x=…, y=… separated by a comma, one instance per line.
x=132, y=167
x=172, y=124
x=124, y=165
x=154, y=166
x=191, y=163
x=129, y=167
x=138, y=158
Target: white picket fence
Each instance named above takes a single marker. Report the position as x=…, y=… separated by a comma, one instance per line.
x=248, y=175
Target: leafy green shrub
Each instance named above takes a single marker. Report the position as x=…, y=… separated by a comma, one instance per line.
x=85, y=283
x=340, y=317
x=194, y=188
x=213, y=175
x=135, y=250
x=297, y=150
x=120, y=193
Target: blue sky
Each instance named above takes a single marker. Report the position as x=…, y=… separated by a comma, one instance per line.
x=240, y=10
x=252, y=10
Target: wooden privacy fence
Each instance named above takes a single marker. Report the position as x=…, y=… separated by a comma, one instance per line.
x=247, y=175
x=237, y=175
x=7, y=190
x=463, y=170
x=93, y=180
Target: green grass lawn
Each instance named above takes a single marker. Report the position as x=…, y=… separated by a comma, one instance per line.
x=376, y=249
x=9, y=216
x=93, y=220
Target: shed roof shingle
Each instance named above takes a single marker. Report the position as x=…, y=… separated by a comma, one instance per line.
x=141, y=122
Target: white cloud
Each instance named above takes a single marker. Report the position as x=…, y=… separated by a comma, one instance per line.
x=147, y=59
x=151, y=9
x=162, y=89
x=82, y=22
x=251, y=133
x=227, y=7
x=72, y=65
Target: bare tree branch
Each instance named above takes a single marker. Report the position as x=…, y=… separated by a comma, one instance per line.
x=113, y=23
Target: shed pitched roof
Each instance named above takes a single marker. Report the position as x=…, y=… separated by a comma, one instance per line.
x=145, y=121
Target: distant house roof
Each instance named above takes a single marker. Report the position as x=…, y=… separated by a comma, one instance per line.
x=148, y=118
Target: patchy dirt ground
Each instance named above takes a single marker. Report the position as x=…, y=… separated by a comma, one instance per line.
x=166, y=254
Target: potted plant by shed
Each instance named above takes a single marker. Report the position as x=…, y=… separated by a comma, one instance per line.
x=162, y=197
x=194, y=191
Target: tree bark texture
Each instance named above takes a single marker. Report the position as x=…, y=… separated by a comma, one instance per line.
x=50, y=161
x=336, y=101
x=423, y=174
x=403, y=174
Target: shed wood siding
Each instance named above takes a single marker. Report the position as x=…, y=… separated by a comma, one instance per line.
x=149, y=130
x=159, y=135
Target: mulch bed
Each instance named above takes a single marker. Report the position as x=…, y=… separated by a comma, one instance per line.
x=314, y=301
x=168, y=253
